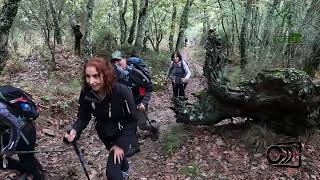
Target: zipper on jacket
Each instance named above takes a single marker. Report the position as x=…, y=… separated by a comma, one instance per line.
x=127, y=106
x=109, y=110
x=120, y=126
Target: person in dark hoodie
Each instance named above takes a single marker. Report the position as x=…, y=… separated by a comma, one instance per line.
x=113, y=107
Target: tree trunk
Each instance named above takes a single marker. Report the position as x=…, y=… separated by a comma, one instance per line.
x=224, y=30
x=313, y=61
x=57, y=30
x=77, y=38
x=138, y=46
x=183, y=24
x=88, y=31
x=268, y=22
x=173, y=26
x=76, y=31
x=235, y=19
x=286, y=100
x=7, y=15
x=122, y=20
x=243, y=35
x=307, y=31
x=134, y=21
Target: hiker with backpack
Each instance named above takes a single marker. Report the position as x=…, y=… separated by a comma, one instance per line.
x=18, y=133
x=179, y=74
x=112, y=105
x=133, y=73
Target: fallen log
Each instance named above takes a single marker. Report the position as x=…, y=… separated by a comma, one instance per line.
x=286, y=100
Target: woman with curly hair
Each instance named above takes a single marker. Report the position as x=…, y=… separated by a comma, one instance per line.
x=113, y=107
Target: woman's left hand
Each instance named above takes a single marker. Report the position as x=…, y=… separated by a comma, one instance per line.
x=118, y=154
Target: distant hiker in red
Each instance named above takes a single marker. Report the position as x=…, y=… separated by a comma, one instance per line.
x=115, y=112
x=179, y=74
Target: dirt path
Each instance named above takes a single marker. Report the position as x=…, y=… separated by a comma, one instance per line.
x=151, y=163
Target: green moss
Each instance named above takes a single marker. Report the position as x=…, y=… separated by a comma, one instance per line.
x=176, y=136
x=191, y=170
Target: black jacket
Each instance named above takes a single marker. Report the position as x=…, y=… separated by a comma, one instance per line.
x=115, y=115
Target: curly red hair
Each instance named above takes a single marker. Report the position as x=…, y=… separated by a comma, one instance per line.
x=106, y=69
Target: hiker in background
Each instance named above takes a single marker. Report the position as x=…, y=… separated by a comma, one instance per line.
x=133, y=73
x=185, y=55
x=18, y=133
x=113, y=107
x=179, y=74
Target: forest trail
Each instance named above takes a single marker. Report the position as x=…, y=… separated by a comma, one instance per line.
x=216, y=152
x=151, y=163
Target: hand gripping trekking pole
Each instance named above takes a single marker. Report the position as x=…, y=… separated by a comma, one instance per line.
x=80, y=157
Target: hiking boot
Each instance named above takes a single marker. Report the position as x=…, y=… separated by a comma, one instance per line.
x=125, y=174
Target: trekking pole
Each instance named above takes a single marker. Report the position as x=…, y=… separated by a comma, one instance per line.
x=80, y=157
x=29, y=152
x=149, y=120
x=77, y=150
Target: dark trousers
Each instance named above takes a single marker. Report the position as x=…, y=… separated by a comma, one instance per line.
x=28, y=163
x=179, y=89
x=129, y=139
x=114, y=171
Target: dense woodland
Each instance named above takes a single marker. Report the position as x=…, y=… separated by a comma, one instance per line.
x=250, y=30
x=44, y=43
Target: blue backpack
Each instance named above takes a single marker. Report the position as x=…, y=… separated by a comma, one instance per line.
x=20, y=102
x=138, y=64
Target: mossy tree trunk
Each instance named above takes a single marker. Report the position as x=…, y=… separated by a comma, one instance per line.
x=140, y=37
x=134, y=21
x=7, y=15
x=88, y=31
x=183, y=24
x=172, y=26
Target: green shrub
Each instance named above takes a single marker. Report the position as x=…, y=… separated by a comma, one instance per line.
x=158, y=81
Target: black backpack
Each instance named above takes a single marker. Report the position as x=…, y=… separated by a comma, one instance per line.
x=19, y=102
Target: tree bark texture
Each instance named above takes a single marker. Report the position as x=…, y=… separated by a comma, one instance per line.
x=88, y=31
x=268, y=21
x=57, y=30
x=172, y=26
x=7, y=15
x=138, y=46
x=243, y=34
x=183, y=24
x=286, y=100
x=312, y=63
x=122, y=20
x=134, y=22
